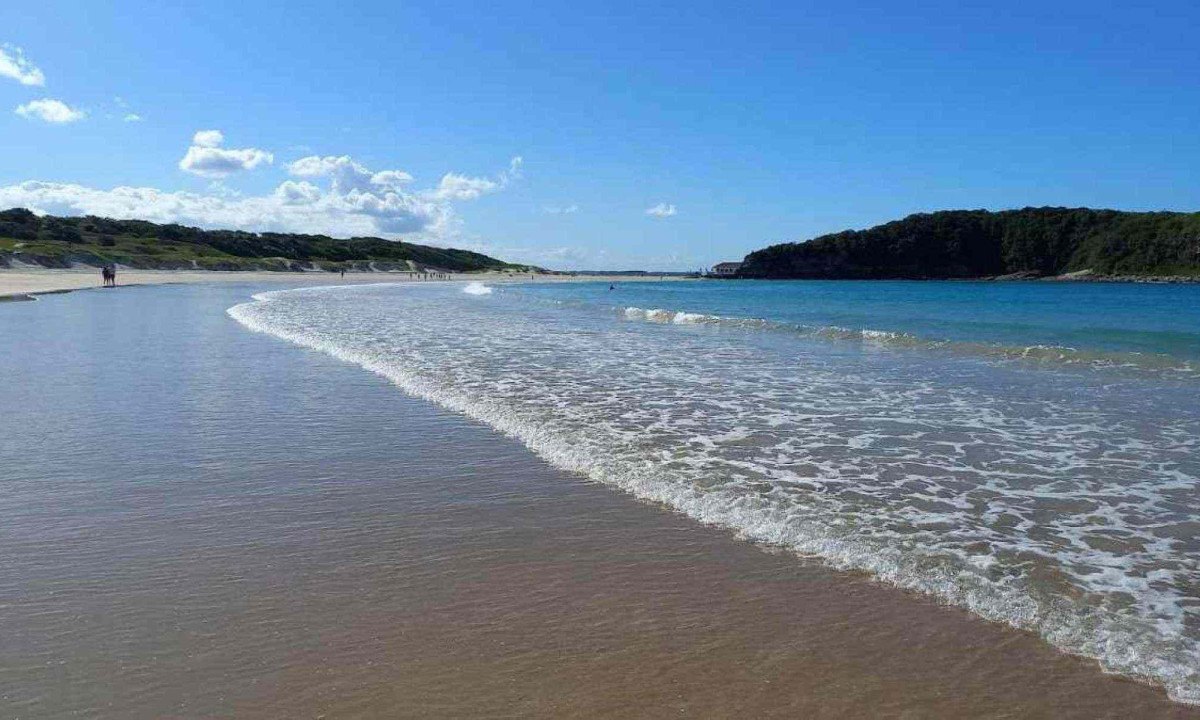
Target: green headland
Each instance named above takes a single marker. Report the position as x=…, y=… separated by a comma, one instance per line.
x=1027, y=243
x=59, y=242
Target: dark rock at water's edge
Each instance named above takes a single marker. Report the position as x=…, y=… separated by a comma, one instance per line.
x=1077, y=244
x=63, y=242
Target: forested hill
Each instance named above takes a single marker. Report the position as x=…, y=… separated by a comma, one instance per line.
x=63, y=241
x=976, y=243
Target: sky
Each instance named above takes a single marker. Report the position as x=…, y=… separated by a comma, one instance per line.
x=594, y=135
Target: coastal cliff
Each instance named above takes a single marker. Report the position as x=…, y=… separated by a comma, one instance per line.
x=1026, y=243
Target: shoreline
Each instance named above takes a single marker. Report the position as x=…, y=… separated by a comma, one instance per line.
x=299, y=537
x=318, y=541
x=26, y=284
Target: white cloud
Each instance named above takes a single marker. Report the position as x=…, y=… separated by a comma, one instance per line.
x=348, y=206
x=14, y=65
x=662, y=210
x=460, y=187
x=127, y=114
x=564, y=210
x=316, y=166
x=298, y=193
x=348, y=175
x=208, y=138
x=292, y=207
x=345, y=173
x=51, y=111
x=207, y=158
x=391, y=178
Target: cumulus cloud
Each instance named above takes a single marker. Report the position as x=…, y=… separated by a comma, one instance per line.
x=292, y=207
x=14, y=65
x=347, y=174
x=298, y=193
x=391, y=178
x=132, y=117
x=51, y=111
x=460, y=187
x=207, y=158
x=354, y=201
x=662, y=210
x=563, y=210
x=208, y=138
x=315, y=165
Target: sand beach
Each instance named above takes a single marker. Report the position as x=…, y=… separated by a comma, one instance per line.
x=203, y=521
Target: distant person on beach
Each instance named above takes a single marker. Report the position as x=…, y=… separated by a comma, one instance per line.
x=343, y=273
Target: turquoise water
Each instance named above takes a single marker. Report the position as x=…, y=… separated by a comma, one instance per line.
x=1030, y=452
x=1106, y=321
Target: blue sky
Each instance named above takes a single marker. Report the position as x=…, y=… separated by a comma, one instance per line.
x=549, y=134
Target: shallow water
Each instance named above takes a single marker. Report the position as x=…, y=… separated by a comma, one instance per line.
x=1152, y=319
x=200, y=521
x=1040, y=491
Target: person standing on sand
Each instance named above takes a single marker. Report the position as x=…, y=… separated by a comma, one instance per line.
x=343, y=273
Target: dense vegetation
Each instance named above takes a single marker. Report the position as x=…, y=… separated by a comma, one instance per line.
x=62, y=241
x=1032, y=242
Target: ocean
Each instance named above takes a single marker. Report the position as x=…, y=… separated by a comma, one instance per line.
x=1029, y=452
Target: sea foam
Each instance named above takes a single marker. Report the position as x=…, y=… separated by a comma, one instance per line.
x=477, y=288
x=1003, y=493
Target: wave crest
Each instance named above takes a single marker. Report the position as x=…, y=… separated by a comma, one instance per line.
x=1052, y=355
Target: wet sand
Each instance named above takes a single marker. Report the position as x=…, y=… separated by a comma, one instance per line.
x=200, y=521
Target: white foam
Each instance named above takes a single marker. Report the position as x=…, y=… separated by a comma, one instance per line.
x=477, y=288
x=951, y=488
x=1158, y=364
x=677, y=317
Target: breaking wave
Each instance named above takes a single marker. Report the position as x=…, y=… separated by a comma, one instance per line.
x=1009, y=497
x=477, y=288
x=1044, y=354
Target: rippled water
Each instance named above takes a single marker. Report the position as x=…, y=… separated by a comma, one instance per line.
x=995, y=453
